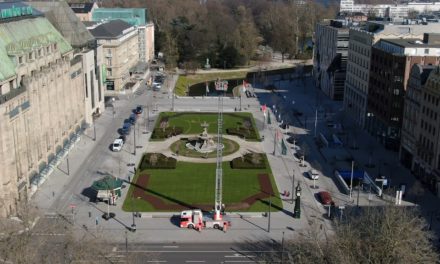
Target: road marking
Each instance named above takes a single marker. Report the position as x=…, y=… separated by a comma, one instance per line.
x=192, y=251
x=240, y=256
x=195, y=261
x=114, y=249
x=48, y=234
x=241, y=261
x=171, y=246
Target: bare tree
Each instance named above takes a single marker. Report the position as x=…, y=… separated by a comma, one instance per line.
x=387, y=235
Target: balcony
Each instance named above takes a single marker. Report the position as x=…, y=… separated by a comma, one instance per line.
x=11, y=94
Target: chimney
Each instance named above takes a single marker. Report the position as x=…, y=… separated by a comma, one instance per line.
x=431, y=38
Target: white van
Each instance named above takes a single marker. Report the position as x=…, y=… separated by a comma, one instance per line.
x=117, y=144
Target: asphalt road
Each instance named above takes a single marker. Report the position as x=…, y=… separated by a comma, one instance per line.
x=199, y=253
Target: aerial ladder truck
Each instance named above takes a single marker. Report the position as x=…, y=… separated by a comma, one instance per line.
x=195, y=219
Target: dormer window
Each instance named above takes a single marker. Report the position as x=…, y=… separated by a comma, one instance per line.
x=20, y=59
x=31, y=55
x=39, y=53
x=48, y=49
x=55, y=46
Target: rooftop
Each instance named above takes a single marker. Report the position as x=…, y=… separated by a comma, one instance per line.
x=412, y=43
x=20, y=36
x=65, y=21
x=111, y=29
x=81, y=8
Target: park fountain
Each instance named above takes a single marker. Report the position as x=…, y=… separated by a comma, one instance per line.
x=202, y=143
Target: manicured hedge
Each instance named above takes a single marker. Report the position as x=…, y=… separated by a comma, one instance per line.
x=248, y=161
x=159, y=133
x=162, y=162
x=242, y=132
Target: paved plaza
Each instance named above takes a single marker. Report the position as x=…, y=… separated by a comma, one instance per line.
x=91, y=158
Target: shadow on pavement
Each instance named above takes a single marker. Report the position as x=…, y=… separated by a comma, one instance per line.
x=90, y=193
x=277, y=207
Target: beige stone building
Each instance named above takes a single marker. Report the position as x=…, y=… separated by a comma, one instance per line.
x=85, y=48
x=149, y=42
x=420, y=150
x=120, y=43
x=41, y=101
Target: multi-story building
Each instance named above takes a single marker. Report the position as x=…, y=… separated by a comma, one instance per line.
x=86, y=50
x=121, y=52
x=420, y=149
x=41, y=100
x=330, y=57
x=391, y=62
x=136, y=17
x=361, y=41
x=84, y=10
x=388, y=8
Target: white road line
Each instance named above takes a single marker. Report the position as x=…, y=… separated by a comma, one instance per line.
x=241, y=261
x=240, y=256
x=171, y=246
x=114, y=249
x=190, y=251
x=48, y=234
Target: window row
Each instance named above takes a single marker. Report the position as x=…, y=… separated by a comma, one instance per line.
x=37, y=53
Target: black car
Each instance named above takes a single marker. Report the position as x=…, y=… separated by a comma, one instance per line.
x=123, y=137
x=132, y=119
x=139, y=110
x=290, y=140
x=284, y=126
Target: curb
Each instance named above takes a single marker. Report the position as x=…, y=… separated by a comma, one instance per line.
x=177, y=214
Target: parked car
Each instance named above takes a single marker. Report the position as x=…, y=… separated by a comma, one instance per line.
x=313, y=174
x=139, y=109
x=117, y=144
x=132, y=119
x=157, y=87
x=284, y=126
x=123, y=138
x=291, y=140
x=126, y=129
x=325, y=197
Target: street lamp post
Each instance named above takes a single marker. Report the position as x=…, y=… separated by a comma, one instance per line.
x=282, y=249
x=240, y=100
x=134, y=139
x=297, y=208
x=293, y=185
x=172, y=101
x=270, y=209
x=351, y=179
x=68, y=167
x=94, y=131
x=133, y=226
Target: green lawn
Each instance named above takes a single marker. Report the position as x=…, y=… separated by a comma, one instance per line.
x=191, y=122
x=184, y=81
x=195, y=183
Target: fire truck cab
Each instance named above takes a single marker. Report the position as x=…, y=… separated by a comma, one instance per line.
x=194, y=219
